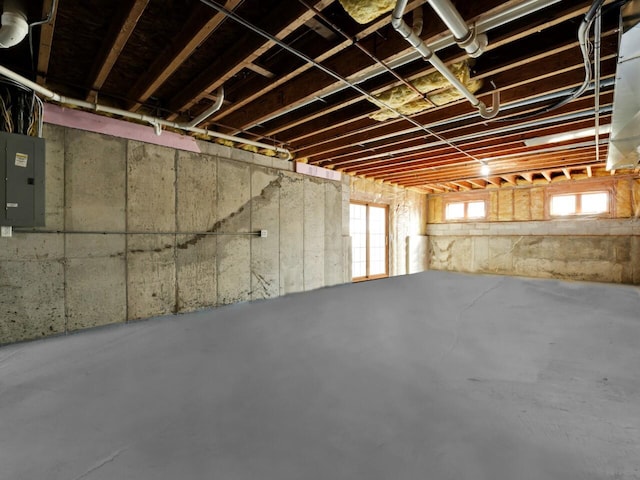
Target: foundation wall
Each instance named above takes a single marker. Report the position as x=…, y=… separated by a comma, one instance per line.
x=519, y=237
x=157, y=207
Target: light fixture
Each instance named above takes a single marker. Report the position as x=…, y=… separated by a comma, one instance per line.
x=566, y=136
x=485, y=170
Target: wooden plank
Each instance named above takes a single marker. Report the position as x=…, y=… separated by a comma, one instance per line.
x=589, y=171
x=567, y=173
x=547, y=175
x=179, y=50
x=46, y=38
x=260, y=71
x=211, y=78
x=117, y=38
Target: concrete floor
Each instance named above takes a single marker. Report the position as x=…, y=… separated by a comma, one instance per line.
x=436, y=375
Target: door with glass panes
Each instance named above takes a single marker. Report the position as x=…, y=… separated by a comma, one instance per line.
x=369, y=241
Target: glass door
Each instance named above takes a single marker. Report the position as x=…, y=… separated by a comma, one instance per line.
x=369, y=241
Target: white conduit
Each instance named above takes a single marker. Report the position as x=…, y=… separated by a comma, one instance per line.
x=157, y=123
x=416, y=42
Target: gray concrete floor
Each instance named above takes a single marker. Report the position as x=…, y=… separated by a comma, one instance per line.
x=430, y=376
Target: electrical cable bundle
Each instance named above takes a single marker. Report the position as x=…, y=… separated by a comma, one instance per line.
x=21, y=110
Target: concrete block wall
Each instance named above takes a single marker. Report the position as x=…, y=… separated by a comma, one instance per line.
x=166, y=200
x=407, y=222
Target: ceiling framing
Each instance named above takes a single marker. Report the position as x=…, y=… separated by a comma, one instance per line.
x=167, y=58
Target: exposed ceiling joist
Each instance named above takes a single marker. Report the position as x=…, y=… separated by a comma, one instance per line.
x=114, y=43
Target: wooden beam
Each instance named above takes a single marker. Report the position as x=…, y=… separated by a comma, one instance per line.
x=547, y=175
x=260, y=71
x=178, y=51
x=238, y=58
x=589, y=171
x=494, y=181
x=567, y=173
x=116, y=39
x=46, y=37
x=461, y=186
x=478, y=183
x=527, y=176
x=509, y=179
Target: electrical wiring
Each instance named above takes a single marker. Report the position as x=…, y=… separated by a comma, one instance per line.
x=585, y=48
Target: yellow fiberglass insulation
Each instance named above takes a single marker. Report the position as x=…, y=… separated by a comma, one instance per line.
x=364, y=11
x=407, y=101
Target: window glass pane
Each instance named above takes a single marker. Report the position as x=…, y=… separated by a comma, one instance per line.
x=475, y=210
x=377, y=241
x=595, y=202
x=454, y=211
x=563, y=205
x=358, y=230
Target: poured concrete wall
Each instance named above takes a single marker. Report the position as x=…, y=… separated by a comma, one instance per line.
x=601, y=250
x=408, y=245
x=52, y=283
x=521, y=238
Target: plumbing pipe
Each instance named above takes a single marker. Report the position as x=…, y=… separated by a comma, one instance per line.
x=210, y=111
x=464, y=36
x=156, y=122
x=14, y=24
x=482, y=24
x=416, y=42
x=328, y=71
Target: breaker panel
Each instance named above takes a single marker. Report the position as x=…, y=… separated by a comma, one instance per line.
x=22, y=186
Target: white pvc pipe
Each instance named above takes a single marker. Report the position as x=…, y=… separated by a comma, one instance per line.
x=155, y=121
x=416, y=42
x=466, y=37
x=210, y=111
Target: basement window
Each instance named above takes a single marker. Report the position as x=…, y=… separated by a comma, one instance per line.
x=465, y=210
x=586, y=203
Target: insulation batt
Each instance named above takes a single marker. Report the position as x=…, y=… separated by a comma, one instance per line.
x=364, y=11
x=407, y=102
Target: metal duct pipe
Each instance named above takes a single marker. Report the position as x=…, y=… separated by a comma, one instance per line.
x=157, y=123
x=416, y=42
x=464, y=36
x=14, y=24
x=210, y=111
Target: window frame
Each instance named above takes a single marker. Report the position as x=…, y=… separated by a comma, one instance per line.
x=578, y=191
x=387, y=246
x=466, y=198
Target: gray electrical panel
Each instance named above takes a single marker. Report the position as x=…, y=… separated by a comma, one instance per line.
x=22, y=186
